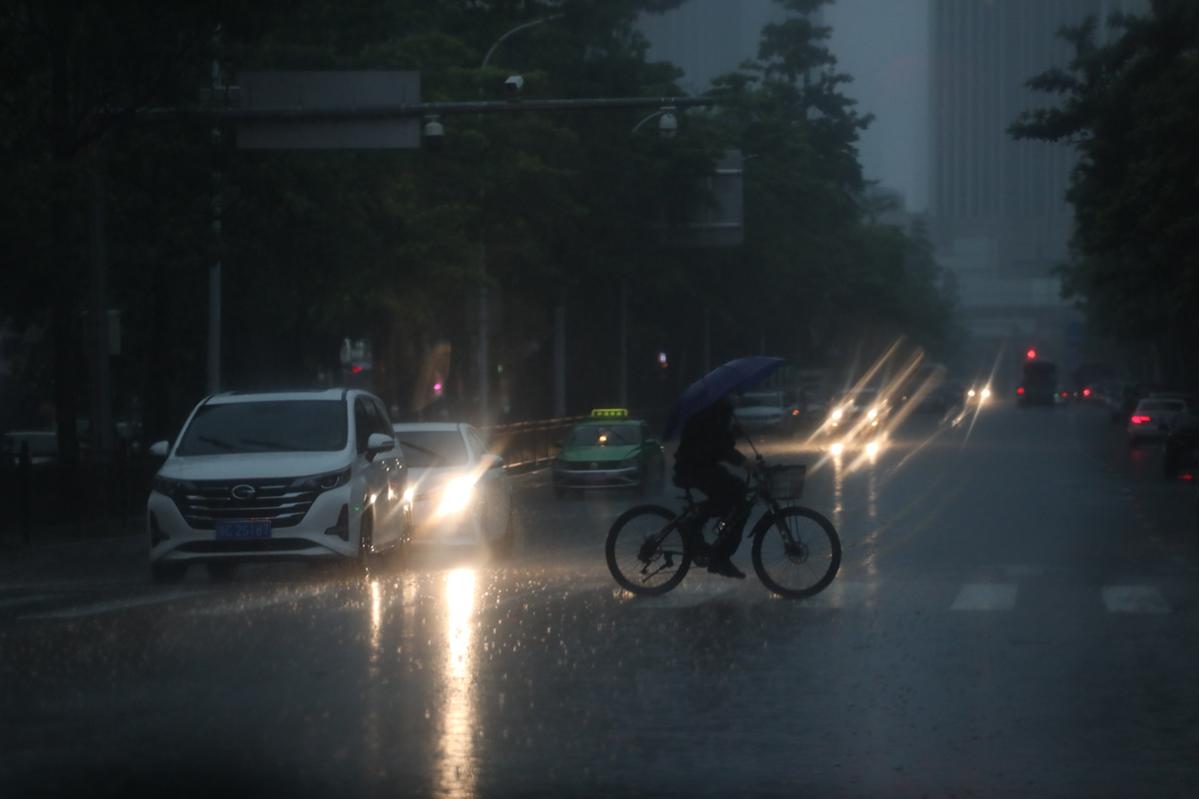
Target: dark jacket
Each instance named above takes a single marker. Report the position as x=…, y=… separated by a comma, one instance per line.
x=708, y=439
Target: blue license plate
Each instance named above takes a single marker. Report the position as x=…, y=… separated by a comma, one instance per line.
x=243, y=529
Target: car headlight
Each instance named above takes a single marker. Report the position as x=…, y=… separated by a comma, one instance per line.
x=971, y=393
x=456, y=495
x=872, y=413
x=322, y=482
x=166, y=485
x=986, y=393
x=837, y=415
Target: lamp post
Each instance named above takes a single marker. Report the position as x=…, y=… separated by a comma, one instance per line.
x=668, y=126
x=483, y=354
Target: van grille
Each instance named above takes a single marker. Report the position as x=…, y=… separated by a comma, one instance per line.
x=204, y=502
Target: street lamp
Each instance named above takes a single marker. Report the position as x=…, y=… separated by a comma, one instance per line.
x=512, y=85
x=668, y=126
x=668, y=122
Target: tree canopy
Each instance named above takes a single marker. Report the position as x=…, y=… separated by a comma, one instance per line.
x=1130, y=107
x=543, y=210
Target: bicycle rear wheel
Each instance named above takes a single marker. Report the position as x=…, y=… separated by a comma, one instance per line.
x=646, y=550
x=796, y=552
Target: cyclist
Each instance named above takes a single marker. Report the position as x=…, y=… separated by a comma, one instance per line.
x=707, y=443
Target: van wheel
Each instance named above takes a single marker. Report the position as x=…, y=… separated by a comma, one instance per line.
x=359, y=566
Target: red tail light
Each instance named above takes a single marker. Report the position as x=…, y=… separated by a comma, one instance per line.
x=1020, y=391
x=1138, y=419
x=1086, y=392
x=1065, y=393
x=1186, y=476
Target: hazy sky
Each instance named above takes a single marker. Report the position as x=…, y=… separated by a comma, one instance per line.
x=884, y=45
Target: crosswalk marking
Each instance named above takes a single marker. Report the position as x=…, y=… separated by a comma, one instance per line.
x=843, y=594
x=986, y=597
x=1134, y=599
x=112, y=605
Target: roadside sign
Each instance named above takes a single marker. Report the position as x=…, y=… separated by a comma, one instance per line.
x=327, y=91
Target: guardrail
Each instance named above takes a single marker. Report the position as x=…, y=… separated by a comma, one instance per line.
x=527, y=444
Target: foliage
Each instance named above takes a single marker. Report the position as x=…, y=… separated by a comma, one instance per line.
x=392, y=246
x=1129, y=107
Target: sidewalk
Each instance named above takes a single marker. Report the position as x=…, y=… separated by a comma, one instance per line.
x=100, y=547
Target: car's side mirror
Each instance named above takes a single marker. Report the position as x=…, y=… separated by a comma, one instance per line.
x=378, y=442
x=160, y=448
x=493, y=461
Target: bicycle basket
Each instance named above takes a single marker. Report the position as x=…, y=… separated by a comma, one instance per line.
x=786, y=482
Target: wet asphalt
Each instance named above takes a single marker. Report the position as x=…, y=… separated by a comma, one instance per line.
x=1015, y=615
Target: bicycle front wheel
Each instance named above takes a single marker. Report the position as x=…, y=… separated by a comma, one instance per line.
x=646, y=550
x=796, y=552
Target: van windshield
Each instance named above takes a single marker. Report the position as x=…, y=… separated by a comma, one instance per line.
x=277, y=426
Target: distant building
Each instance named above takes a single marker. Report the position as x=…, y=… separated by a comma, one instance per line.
x=999, y=217
x=706, y=38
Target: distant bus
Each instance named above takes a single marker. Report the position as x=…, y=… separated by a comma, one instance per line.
x=1038, y=385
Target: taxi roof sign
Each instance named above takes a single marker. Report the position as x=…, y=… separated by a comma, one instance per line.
x=610, y=413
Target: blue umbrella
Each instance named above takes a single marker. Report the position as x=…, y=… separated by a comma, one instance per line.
x=719, y=382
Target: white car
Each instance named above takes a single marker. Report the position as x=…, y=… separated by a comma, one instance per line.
x=1154, y=417
x=460, y=493
x=279, y=475
x=761, y=412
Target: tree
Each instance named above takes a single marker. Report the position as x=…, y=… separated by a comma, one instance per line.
x=1129, y=108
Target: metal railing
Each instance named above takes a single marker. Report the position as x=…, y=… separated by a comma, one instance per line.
x=525, y=445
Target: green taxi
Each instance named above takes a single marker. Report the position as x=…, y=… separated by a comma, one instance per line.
x=609, y=450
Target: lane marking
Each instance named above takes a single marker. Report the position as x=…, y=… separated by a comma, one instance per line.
x=112, y=606
x=986, y=597
x=245, y=604
x=14, y=602
x=843, y=594
x=1134, y=599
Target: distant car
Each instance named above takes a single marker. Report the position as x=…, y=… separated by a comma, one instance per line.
x=43, y=447
x=277, y=475
x=1153, y=418
x=762, y=413
x=607, y=451
x=861, y=410
x=460, y=493
x=978, y=394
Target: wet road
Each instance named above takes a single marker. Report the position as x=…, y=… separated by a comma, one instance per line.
x=1015, y=615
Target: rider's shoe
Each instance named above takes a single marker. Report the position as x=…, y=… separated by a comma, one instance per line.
x=725, y=568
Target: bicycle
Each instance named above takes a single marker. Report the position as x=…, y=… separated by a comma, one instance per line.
x=649, y=548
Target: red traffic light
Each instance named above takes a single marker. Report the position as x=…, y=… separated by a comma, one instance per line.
x=1031, y=354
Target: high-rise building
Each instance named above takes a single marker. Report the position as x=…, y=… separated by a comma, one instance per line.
x=706, y=38
x=999, y=214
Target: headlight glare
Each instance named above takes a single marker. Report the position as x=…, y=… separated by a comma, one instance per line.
x=456, y=495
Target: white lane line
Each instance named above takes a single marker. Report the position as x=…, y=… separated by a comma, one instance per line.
x=249, y=603
x=17, y=601
x=986, y=596
x=843, y=594
x=1134, y=599
x=112, y=605
x=683, y=597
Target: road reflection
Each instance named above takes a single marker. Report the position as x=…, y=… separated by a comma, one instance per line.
x=456, y=774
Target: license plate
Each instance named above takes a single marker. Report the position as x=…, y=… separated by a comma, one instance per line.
x=243, y=529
